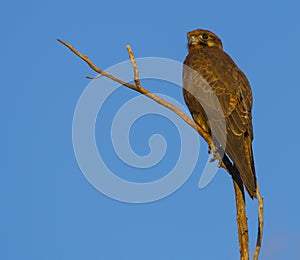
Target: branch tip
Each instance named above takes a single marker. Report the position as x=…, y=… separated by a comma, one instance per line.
x=260, y=224
x=135, y=67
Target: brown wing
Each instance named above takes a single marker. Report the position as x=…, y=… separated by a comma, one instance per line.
x=218, y=78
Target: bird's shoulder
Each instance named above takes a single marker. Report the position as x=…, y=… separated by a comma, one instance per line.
x=210, y=71
x=212, y=61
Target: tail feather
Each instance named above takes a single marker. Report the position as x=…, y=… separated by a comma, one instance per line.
x=240, y=152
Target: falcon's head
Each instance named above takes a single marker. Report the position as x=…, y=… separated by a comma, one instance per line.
x=202, y=38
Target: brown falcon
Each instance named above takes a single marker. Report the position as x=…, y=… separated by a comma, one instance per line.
x=210, y=72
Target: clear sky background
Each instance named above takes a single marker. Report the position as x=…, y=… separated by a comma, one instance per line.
x=48, y=208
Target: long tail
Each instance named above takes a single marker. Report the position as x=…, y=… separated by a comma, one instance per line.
x=240, y=152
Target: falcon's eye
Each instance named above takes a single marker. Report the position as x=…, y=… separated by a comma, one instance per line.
x=204, y=36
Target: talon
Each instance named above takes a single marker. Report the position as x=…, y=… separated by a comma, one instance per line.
x=214, y=158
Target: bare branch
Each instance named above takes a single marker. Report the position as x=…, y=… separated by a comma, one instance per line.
x=93, y=67
x=134, y=65
x=241, y=216
x=142, y=91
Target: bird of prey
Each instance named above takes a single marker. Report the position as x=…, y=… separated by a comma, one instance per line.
x=210, y=73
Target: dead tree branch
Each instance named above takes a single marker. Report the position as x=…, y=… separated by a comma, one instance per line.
x=260, y=224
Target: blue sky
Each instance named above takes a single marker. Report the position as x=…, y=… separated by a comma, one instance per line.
x=48, y=208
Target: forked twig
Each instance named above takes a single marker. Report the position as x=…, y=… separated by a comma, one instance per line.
x=141, y=90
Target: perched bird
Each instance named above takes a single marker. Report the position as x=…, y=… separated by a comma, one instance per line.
x=210, y=73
